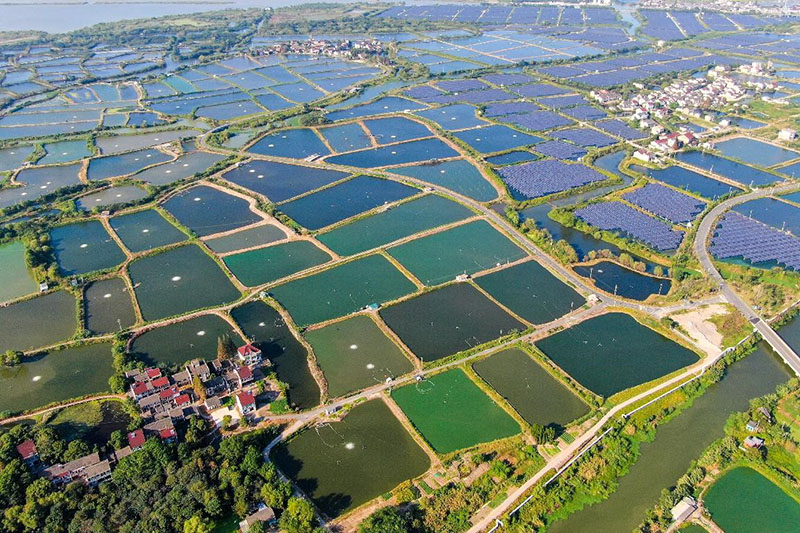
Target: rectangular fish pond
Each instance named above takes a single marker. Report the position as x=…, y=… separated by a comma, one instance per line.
x=15, y=279
x=265, y=265
x=22, y=323
x=449, y=320
x=207, y=210
x=613, y=352
x=108, y=307
x=459, y=176
x=145, y=230
x=84, y=247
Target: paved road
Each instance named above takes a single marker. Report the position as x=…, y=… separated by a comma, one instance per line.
x=701, y=251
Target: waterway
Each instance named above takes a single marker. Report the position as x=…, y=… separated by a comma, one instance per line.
x=680, y=441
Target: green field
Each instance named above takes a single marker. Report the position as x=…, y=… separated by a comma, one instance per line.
x=465, y=249
x=452, y=412
x=355, y=354
x=744, y=501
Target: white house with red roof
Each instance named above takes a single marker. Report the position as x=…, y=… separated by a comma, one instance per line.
x=136, y=439
x=246, y=402
x=27, y=450
x=249, y=355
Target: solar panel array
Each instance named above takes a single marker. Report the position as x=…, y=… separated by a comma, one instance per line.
x=560, y=150
x=666, y=203
x=739, y=236
x=545, y=177
x=616, y=216
x=585, y=137
x=510, y=108
x=620, y=129
x=537, y=120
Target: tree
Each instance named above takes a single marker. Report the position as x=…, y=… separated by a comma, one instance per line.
x=76, y=449
x=226, y=348
x=12, y=358
x=386, y=520
x=199, y=389
x=298, y=517
x=196, y=524
x=117, y=439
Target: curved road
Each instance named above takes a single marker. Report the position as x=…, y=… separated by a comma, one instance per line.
x=701, y=251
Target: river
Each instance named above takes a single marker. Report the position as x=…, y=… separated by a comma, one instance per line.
x=681, y=440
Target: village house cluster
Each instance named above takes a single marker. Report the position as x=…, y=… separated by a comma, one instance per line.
x=344, y=49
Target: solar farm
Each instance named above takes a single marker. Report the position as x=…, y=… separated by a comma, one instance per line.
x=419, y=233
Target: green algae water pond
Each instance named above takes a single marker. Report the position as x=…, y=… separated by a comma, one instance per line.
x=55, y=376
x=613, y=352
x=342, y=290
x=465, y=249
x=344, y=464
x=15, y=279
x=179, y=280
x=449, y=320
x=452, y=412
x=536, y=395
x=247, y=238
x=743, y=500
x=108, y=306
x=409, y=218
x=289, y=358
x=678, y=442
x=265, y=265
x=177, y=343
x=531, y=292
x=38, y=322
x=354, y=354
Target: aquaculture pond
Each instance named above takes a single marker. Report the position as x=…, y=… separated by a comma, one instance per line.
x=396, y=129
x=108, y=306
x=207, y=210
x=145, y=230
x=103, y=168
x=613, y=352
x=465, y=249
x=93, y=422
x=355, y=354
x=532, y=391
x=84, y=247
x=281, y=181
x=55, y=376
x=345, y=200
x=37, y=182
x=451, y=412
x=496, y=138
x=744, y=500
x=772, y=212
x=342, y=290
x=265, y=265
x=755, y=152
x=679, y=442
x=406, y=219
x=459, y=176
x=64, y=152
x=289, y=358
x=179, y=280
x=686, y=179
x=728, y=168
x=341, y=465
x=381, y=106
x=247, y=238
x=185, y=166
x=15, y=279
x=531, y=292
x=453, y=117
x=346, y=137
x=449, y=320
x=12, y=158
x=22, y=324
x=123, y=143
x=396, y=154
x=612, y=278
x=297, y=144
x=124, y=194
x=177, y=343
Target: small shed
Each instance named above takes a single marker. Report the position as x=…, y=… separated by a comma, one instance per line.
x=683, y=509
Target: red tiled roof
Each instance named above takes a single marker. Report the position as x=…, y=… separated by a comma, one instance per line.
x=169, y=393
x=182, y=399
x=167, y=433
x=136, y=439
x=153, y=372
x=244, y=372
x=245, y=398
x=27, y=449
x=163, y=381
x=248, y=349
x=139, y=388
